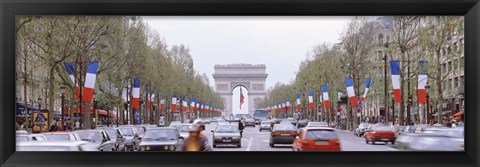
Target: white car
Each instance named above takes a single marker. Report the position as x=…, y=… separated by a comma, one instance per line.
x=55, y=146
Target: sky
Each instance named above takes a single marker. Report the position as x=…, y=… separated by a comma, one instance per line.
x=279, y=42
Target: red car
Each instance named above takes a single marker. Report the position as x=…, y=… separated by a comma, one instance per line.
x=316, y=139
x=382, y=133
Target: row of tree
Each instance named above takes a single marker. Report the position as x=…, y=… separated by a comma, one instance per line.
x=411, y=39
x=126, y=47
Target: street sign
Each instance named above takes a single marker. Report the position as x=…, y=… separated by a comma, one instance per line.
x=40, y=120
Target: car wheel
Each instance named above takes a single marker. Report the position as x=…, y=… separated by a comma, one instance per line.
x=366, y=140
x=393, y=142
x=239, y=146
x=214, y=146
x=125, y=148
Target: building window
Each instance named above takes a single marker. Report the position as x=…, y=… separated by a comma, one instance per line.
x=450, y=66
x=462, y=81
x=380, y=40
x=456, y=83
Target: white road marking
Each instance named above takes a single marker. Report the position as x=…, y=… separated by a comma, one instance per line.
x=249, y=144
x=245, y=140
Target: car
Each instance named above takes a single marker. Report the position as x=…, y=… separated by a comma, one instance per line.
x=62, y=136
x=292, y=121
x=409, y=129
x=141, y=129
x=457, y=134
x=399, y=130
x=302, y=123
x=316, y=139
x=21, y=132
x=182, y=129
x=317, y=124
x=226, y=134
x=206, y=121
x=360, y=130
x=249, y=122
x=381, y=133
x=118, y=137
x=282, y=134
x=277, y=121
x=426, y=142
x=131, y=136
x=30, y=137
x=99, y=138
x=55, y=146
x=161, y=139
x=266, y=125
x=176, y=122
x=422, y=127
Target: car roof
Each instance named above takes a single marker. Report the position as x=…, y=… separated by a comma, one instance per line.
x=162, y=128
x=59, y=132
x=90, y=130
x=425, y=134
x=51, y=143
x=318, y=128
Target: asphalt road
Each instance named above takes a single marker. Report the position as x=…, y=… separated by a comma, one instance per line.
x=254, y=140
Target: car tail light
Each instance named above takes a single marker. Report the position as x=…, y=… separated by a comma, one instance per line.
x=293, y=133
x=377, y=135
x=275, y=133
x=305, y=141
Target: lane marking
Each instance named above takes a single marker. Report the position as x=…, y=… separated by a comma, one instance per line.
x=249, y=144
x=245, y=140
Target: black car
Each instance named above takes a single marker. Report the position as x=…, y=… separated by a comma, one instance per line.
x=160, y=139
x=283, y=134
x=226, y=134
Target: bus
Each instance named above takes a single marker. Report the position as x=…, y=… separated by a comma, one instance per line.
x=259, y=115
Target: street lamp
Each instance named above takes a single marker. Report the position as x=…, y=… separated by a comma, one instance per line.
x=107, y=105
x=393, y=106
x=62, y=90
x=94, y=109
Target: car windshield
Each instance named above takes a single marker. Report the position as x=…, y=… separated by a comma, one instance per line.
x=57, y=137
x=22, y=138
x=112, y=133
x=265, y=123
x=284, y=127
x=317, y=124
x=43, y=148
x=226, y=129
x=127, y=131
x=182, y=128
x=364, y=125
x=321, y=134
x=93, y=137
x=383, y=128
x=140, y=130
x=432, y=143
x=160, y=135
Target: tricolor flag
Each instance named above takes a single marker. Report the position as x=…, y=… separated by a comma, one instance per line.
x=288, y=106
x=184, y=103
x=162, y=105
x=351, y=92
x=70, y=69
x=320, y=102
x=241, y=98
x=90, y=79
x=422, y=81
x=197, y=106
x=192, y=104
x=150, y=101
x=284, y=106
x=136, y=93
x=202, y=107
x=395, y=69
x=174, y=102
x=367, y=86
x=299, y=105
x=310, y=99
x=326, y=100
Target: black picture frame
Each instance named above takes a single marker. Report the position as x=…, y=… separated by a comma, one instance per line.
x=10, y=8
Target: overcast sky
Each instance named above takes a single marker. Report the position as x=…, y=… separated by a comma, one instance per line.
x=279, y=42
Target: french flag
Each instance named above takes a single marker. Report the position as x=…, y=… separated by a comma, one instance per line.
x=184, y=103
x=367, y=87
x=351, y=92
x=162, y=105
x=174, y=102
x=136, y=93
x=197, y=106
x=422, y=81
x=192, y=104
x=284, y=106
x=202, y=107
x=92, y=68
x=299, y=105
x=149, y=105
x=288, y=106
x=326, y=100
x=310, y=99
x=69, y=68
x=395, y=69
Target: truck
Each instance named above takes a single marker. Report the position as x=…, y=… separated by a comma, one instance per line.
x=260, y=114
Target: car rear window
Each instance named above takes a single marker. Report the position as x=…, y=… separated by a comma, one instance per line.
x=57, y=137
x=265, y=123
x=383, y=128
x=321, y=134
x=284, y=127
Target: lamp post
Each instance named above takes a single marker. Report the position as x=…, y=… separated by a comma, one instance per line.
x=428, y=105
x=62, y=90
x=94, y=109
x=107, y=105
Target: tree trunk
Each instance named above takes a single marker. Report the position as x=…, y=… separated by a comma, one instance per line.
x=130, y=107
x=87, y=119
x=51, y=93
x=120, y=108
x=25, y=82
x=439, y=88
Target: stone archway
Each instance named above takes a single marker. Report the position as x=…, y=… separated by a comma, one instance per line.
x=252, y=77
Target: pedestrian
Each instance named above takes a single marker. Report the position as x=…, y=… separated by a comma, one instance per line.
x=195, y=141
x=241, y=127
x=17, y=127
x=53, y=126
x=77, y=124
x=68, y=125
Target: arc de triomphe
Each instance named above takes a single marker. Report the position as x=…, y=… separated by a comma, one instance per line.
x=252, y=77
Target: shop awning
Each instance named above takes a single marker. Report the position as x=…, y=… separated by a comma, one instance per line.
x=459, y=113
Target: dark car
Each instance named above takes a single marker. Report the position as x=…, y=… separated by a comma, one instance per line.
x=361, y=129
x=98, y=137
x=426, y=142
x=131, y=136
x=283, y=134
x=302, y=123
x=249, y=122
x=118, y=137
x=160, y=139
x=226, y=134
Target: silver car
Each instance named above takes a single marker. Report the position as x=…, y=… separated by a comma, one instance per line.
x=133, y=139
x=226, y=134
x=182, y=129
x=266, y=125
x=30, y=137
x=99, y=138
